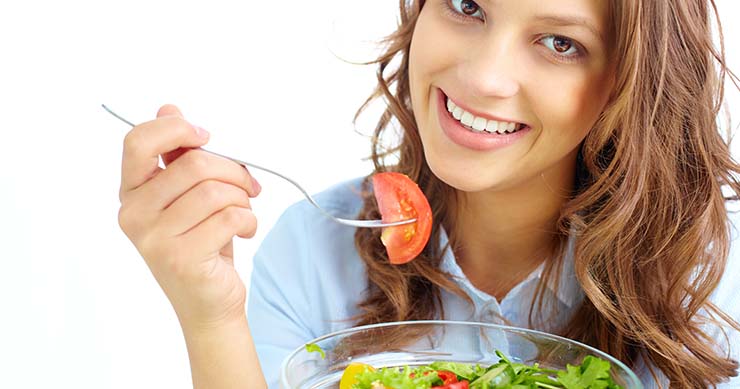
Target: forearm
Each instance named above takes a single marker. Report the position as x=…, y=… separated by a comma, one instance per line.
x=223, y=357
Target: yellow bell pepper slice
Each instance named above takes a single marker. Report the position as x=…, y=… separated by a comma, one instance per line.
x=349, y=377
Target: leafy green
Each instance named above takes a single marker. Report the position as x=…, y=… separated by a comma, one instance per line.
x=314, y=348
x=463, y=370
x=592, y=373
x=399, y=378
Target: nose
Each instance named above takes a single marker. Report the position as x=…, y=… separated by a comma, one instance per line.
x=491, y=70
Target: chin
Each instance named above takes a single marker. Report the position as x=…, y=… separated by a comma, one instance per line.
x=464, y=179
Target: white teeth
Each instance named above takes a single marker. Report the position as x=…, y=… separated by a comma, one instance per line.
x=457, y=113
x=467, y=118
x=510, y=127
x=492, y=126
x=478, y=124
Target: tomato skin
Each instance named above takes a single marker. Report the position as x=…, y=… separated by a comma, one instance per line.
x=456, y=385
x=399, y=198
x=447, y=377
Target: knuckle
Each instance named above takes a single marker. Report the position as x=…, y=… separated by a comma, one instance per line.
x=129, y=220
x=233, y=216
x=251, y=226
x=197, y=163
x=132, y=142
x=178, y=124
x=211, y=192
x=124, y=219
x=164, y=108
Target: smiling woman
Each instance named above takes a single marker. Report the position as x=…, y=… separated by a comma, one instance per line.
x=614, y=171
x=574, y=169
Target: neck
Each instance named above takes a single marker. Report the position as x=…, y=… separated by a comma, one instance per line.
x=504, y=235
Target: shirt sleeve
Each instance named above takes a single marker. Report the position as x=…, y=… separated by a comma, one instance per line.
x=278, y=310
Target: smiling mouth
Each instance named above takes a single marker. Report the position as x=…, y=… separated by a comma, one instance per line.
x=478, y=124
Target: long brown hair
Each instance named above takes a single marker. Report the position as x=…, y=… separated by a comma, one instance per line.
x=648, y=212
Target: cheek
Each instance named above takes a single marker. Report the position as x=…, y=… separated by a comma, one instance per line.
x=571, y=105
x=434, y=50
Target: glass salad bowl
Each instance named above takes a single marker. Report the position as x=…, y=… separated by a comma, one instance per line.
x=416, y=343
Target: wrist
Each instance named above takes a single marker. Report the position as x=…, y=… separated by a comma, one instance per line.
x=222, y=354
x=211, y=326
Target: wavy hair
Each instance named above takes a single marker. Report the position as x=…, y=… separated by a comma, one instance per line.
x=648, y=211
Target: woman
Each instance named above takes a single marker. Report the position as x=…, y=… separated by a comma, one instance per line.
x=571, y=157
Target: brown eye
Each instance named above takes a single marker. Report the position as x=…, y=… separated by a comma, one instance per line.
x=561, y=45
x=468, y=7
x=563, y=48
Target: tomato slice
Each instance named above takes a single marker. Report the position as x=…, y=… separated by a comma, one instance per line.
x=399, y=198
x=349, y=377
x=455, y=385
x=447, y=377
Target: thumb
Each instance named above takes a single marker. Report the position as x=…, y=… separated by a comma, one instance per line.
x=169, y=110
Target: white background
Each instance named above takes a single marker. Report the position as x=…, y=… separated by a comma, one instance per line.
x=78, y=306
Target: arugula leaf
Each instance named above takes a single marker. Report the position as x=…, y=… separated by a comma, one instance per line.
x=314, y=348
x=592, y=373
x=489, y=376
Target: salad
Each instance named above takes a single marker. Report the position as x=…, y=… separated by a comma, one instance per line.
x=592, y=373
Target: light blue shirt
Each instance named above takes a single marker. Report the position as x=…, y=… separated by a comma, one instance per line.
x=308, y=279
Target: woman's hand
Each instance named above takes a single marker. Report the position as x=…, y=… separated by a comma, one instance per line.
x=182, y=219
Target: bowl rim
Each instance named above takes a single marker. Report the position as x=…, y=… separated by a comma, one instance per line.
x=601, y=354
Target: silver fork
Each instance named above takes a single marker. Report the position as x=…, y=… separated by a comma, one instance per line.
x=349, y=222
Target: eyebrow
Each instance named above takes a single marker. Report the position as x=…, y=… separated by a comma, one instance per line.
x=571, y=20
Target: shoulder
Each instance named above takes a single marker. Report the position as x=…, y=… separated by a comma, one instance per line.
x=304, y=227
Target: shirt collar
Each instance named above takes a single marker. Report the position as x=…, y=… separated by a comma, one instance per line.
x=569, y=291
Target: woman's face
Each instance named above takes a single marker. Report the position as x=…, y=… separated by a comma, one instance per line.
x=540, y=65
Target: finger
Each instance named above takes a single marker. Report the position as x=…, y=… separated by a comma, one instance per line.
x=219, y=229
x=186, y=172
x=169, y=110
x=172, y=110
x=146, y=142
x=167, y=158
x=200, y=202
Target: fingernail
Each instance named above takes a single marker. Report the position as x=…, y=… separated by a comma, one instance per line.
x=201, y=132
x=256, y=185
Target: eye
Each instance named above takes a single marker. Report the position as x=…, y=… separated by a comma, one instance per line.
x=561, y=46
x=465, y=7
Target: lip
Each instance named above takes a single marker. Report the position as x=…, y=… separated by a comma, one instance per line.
x=479, y=141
